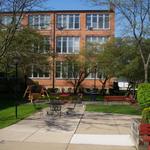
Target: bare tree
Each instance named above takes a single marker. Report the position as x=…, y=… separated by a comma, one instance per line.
x=16, y=9
x=137, y=16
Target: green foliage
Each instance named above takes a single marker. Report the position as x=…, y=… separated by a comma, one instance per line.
x=143, y=97
x=7, y=116
x=22, y=46
x=146, y=115
x=143, y=94
x=120, y=109
x=120, y=59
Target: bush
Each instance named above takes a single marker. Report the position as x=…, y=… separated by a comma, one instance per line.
x=146, y=115
x=143, y=95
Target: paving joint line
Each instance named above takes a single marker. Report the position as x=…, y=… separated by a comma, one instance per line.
x=75, y=130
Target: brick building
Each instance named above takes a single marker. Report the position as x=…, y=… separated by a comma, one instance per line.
x=66, y=32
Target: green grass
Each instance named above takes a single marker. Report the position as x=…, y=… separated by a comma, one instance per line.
x=7, y=116
x=120, y=109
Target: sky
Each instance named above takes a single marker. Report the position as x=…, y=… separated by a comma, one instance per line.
x=69, y=4
x=75, y=5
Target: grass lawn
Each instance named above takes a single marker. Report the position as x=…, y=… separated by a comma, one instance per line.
x=120, y=109
x=7, y=116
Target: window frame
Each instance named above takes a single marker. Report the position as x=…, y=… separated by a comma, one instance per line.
x=66, y=26
x=90, y=22
x=75, y=49
x=38, y=72
x=38, y=25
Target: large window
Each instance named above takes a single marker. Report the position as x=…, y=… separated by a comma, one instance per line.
x=97, y=21
x=65, y=70
x=69, y=21
x=42, y=47
x=96, y=42
x=39, y=71
x=39, y=21
x=68, y=45
x=7, y=20
x=96, y=73
x=97, y=39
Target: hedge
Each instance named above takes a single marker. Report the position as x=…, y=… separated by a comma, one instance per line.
x=143, y=95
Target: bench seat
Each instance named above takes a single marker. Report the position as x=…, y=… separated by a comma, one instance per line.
x=144, y=130
x=119, y=99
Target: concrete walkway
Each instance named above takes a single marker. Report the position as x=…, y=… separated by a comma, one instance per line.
x=78, y=131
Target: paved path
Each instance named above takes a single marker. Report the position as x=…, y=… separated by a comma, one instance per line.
x=79, y=131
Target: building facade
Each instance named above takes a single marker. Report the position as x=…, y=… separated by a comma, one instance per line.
x=66, y=32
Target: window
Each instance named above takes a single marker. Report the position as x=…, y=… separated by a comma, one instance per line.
x=39, y=21
x=98, y=74
x=70, y=21
x=39, y=71
x=97, y=21
x=64, y=70
x=96, y=42
x=44, y=47
x=7, y=20
x=68, y=45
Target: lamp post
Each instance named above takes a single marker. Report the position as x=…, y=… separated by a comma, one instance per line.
x=16, y=61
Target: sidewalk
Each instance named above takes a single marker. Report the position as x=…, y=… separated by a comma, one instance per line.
x=80, y=131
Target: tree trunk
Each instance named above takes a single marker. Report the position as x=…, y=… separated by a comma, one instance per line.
x=145, y=73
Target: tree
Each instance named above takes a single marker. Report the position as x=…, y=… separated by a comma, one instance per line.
x=17, y=8
x=118, y=60
x=28, y=45
x=136, y=13
x=79, y=67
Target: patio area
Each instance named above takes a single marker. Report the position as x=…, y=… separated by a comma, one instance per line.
x=80, y=130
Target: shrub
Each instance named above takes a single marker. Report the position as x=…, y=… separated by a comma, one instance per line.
x=143, y=95
x=146, y=115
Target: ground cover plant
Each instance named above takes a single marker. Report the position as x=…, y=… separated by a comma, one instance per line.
x=7, y=115
x=120, y=109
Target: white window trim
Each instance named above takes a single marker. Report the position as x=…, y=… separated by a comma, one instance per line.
x=98, y=28
x=39, y=21
x=67, y=44
x=32, y=76
x=67, y=21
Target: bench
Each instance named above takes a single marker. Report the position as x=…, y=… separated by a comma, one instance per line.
x=128, y=99
x=144, y=131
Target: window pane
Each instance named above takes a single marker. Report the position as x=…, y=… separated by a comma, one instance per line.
x=47, y=21
x=94, y=21
x=100, y=21
x=70, y=21
x=59, y=21
x=76, y=44
x=70, y=45
x=35, y=74
x=88, y=21
x=70, y=70
x=40, y=72
x=64, y=50
x=77, y=21
x=58, y=45
x=64, y=70
x=65, y=21
x=58, y=69
x=39, y=21
x=106, y=21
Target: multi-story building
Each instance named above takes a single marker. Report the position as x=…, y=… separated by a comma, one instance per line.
x=66, y=32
